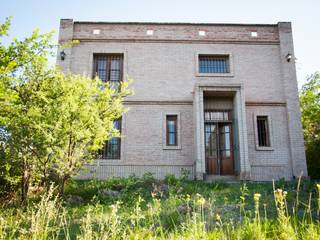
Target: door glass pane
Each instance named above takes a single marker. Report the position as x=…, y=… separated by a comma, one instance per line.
x=211, y=140
x=222, y=140
x=227, y=141
x=228, y=153
x=207, y=134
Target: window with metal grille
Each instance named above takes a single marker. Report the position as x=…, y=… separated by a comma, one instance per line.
x=214, y=64
x=217, y=115
x=108, y=67
x=263, y=131
x=171, y=123
x=112, y=147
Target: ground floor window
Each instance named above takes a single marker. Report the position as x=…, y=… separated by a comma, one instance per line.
x=171, y=125
x=112, y=147
x=263, y=131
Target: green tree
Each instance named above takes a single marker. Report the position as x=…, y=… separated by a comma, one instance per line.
x=310, y=109
x=16, y=58
x=78, y=117
x=51, y=121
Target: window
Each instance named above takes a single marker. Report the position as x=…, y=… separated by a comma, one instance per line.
x=112, y=147
x=171, y=125
x=214, y=64
x=263, y=131
x=171, y=130
x=216, y=115
x=108, y=67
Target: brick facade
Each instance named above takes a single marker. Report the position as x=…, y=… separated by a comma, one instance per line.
x=166, y=80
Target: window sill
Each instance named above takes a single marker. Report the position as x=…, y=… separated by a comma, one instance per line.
x=258, y=148
x=214, y=75
x=171, y=147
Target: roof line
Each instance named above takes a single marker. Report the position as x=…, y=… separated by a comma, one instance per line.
x=176, y=23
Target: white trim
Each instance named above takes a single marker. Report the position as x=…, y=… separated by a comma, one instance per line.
x=269, y=119
x=215, y=53
x=164, y=130
x=239, y=110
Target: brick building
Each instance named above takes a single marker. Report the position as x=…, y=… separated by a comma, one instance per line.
x=211, y=100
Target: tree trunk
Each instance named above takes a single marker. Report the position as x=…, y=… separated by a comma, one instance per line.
x=25, y=184
x=62, y=184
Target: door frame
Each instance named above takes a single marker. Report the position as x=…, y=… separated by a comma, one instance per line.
x=241, y=159
x=218, y=124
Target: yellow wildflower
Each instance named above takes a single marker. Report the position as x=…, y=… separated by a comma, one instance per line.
x=256, y=197
x=201, y=201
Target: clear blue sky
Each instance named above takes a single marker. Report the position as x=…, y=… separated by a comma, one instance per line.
x=304, y=15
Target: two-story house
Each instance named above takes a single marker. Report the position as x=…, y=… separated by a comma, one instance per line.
x=211, y=100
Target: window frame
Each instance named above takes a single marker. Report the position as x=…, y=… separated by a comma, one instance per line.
x=108, y=57
x=263, y=136
x=270, y=131
x=215, y=58
x=214, y=54
x=165, y=145
x=173, y=118
x=119, y=151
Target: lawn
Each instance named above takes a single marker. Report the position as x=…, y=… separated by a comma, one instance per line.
x=145, y=208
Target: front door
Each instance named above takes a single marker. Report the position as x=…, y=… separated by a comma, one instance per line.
x=219, y=149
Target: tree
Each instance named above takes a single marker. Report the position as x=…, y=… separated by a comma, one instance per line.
x=17, y=58
x=310, y=109
x=52, y=122
x=78, y=119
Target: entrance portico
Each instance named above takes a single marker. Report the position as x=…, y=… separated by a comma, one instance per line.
x=220, y=131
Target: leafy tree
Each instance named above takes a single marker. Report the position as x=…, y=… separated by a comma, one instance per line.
x=310, y=109
x=15, y=59
x=78, y=119
x=51, y=121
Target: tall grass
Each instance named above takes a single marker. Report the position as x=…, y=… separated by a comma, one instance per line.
x=167, y=216
x=45, y=220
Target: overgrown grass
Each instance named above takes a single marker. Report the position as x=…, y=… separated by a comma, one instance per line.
x=145, y=208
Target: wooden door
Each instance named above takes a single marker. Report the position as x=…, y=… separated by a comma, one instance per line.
x=211, y=134
x=219, y=149
x=226, y=149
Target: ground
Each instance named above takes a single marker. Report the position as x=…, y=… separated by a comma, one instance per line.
x=145, y=208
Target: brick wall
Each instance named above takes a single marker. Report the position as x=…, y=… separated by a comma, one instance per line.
x=218, y=32
x=163, y=67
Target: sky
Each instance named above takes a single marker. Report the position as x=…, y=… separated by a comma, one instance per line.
x=304, y=15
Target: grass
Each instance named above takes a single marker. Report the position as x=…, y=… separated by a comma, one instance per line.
x=145, y=208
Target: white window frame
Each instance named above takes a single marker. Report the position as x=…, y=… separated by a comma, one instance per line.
x=269, y=119
x=210, y=53
x=164, y=131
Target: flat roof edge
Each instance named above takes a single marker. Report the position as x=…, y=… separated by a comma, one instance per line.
x=177, y=23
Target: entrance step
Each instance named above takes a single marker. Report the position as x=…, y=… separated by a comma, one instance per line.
x=222, y=178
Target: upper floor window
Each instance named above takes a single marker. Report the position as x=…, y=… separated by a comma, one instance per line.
x=112, y=148
x=172, y=130
x=263, y=131
x=214, y=64
x=108, y=67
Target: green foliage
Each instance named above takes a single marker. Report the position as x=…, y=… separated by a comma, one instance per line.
x=167, y=216
x=310, y=109
x=16, y=59
x=51, y=123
